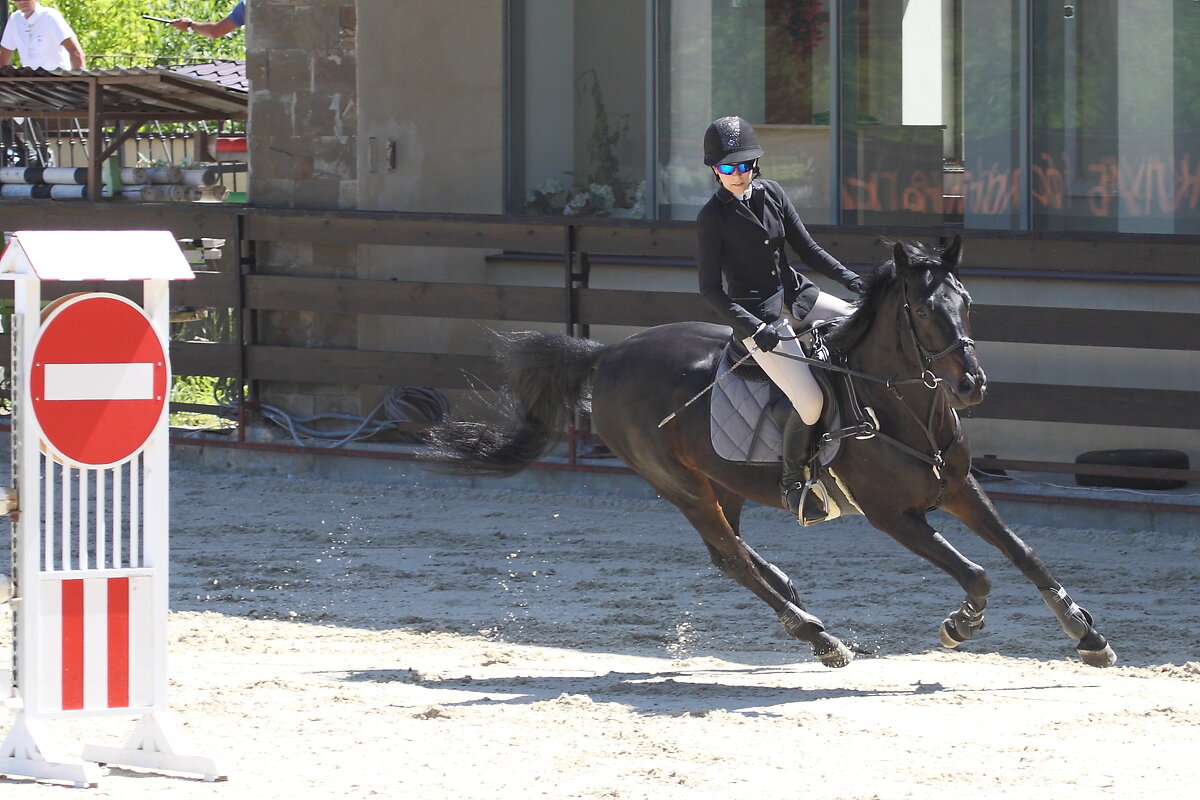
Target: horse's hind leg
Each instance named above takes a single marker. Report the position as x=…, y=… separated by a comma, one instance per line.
x=731, y=507
x=973, y=507
x=730, y=554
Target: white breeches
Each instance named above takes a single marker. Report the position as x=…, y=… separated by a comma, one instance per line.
x=794, y=378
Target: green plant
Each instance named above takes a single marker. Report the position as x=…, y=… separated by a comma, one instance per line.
x=603, y=190
x=217, y=325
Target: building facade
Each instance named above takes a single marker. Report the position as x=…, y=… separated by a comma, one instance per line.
x=919, y=118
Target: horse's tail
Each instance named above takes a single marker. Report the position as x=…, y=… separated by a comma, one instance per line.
x=547, y=379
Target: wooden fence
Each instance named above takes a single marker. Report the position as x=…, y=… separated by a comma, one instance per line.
x=578, y=245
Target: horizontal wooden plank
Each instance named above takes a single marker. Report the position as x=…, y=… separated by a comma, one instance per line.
x=406, y=298
x=1113, y=470
x=374, y=368
x=1090, y=405
x=1095, y=254
x=637, y=237
x=208, y=290
x=1062, y=254
x=184, y=220
x=1152, y=330
x=644, y=309
x=187, y=358
x=427, y=230
x=213, y=359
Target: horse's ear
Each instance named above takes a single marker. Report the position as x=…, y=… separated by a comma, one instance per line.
x=900, y=257
x=952, y=254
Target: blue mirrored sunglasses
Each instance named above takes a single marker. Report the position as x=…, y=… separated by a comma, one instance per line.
x=729, y=169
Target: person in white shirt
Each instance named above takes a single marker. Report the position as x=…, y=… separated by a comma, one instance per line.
x=41, y=37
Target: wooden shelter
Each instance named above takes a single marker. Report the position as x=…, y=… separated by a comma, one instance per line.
x=124, y=100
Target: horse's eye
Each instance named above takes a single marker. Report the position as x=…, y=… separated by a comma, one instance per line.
x=922, y=312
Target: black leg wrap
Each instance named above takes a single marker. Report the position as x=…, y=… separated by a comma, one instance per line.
x=781, y=583
x=1076, y=621
x=804, y=626
x=800, y=624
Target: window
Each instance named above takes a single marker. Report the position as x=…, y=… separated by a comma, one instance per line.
x=1115, y=122
x=578, y=88
x=764, y=60
x=1001, y=114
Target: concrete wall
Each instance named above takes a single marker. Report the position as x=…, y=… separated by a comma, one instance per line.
x=430, y=85
x=431, y=90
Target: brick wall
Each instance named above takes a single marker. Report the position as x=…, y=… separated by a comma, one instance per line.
x=301, y=60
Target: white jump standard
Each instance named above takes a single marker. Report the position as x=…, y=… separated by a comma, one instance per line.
x=89, y=502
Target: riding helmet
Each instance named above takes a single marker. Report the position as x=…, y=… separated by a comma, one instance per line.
x=730, y=140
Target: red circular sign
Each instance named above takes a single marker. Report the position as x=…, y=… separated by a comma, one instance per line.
x=98, y=383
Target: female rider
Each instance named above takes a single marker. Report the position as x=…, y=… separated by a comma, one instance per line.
x=741, y=232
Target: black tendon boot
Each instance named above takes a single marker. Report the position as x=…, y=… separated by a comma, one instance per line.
x=796, y=485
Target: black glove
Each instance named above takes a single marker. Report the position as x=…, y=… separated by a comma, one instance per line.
x=766, y=339
x=857, y=285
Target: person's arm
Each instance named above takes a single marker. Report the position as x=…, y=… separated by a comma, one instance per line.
x=5, y=57
x=709, y=256
x=812, y=254
x=213, y=30
x=75, y=53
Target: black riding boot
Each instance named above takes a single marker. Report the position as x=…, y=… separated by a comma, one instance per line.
x=796, y=484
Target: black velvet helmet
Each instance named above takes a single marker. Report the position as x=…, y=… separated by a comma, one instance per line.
x=730, y=140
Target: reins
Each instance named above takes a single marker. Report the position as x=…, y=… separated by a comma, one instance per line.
x=867, y=427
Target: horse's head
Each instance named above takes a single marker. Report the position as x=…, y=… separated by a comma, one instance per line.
x=936, y=319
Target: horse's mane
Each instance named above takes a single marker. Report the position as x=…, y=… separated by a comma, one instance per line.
x=847, y=333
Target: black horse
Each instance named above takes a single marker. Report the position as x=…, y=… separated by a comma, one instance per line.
x=909, y=358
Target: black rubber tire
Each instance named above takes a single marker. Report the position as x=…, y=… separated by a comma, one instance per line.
x=1162, y=459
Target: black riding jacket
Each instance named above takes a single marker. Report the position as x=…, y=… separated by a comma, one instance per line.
x=749, y=255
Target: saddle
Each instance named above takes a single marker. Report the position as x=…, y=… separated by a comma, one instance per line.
x=748, y=413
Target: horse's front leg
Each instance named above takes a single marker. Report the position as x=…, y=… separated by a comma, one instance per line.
x=916, y=534
x=973, y=507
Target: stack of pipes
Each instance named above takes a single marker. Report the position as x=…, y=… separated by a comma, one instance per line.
x=147, y=184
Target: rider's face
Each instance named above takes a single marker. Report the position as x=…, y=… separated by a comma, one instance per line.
x=737, y=183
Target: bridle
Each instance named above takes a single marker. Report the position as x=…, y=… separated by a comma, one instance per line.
x=926, y=355
x=867, y=427
x=936, y=460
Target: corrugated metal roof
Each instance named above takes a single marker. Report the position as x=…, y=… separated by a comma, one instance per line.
x=210, y=91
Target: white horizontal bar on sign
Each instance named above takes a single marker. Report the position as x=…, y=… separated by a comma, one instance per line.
x=99, y=381
x=130, y=711
x=89, y=574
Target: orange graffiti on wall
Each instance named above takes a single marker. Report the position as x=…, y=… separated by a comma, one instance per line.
x=1142, y=186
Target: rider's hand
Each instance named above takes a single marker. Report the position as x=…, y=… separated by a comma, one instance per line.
x=858, y=286
x=766, y=339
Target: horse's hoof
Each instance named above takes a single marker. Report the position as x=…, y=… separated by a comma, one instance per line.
x=948, y=636
x=961, y=625
x=832, y=652
x=1099, y=658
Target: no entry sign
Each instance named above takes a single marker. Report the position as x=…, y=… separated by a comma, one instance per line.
x=98, y=382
